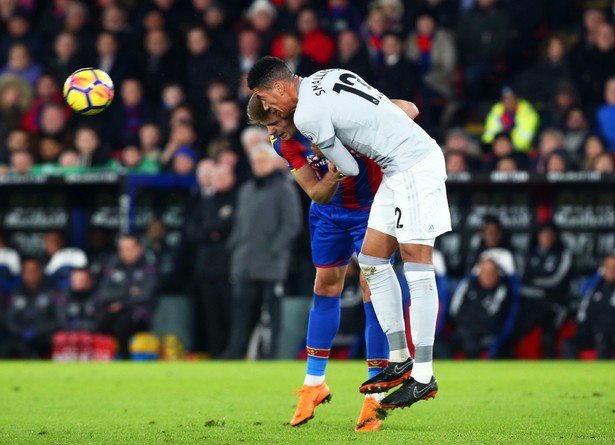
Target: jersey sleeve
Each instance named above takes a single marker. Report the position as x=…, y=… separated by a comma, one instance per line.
x=315, y=125
x=291, y=151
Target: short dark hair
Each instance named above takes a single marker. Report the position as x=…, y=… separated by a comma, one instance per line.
x=256, y=112
x=266, y=71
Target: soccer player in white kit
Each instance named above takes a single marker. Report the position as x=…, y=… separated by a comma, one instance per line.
x=335, y=108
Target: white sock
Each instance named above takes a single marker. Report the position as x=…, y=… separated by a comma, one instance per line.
x=313, y=380
x=423, y=317
x=386, y=299
x=378, y=396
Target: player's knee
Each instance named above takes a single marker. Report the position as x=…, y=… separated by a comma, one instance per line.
x=327, y=288
x=372, y=266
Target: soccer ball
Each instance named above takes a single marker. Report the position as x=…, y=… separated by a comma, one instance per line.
x=88, y=91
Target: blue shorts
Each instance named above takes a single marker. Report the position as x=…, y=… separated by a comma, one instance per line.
x=336, y=233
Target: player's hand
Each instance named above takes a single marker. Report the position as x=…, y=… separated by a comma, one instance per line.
x=337, y=175
x=317, y=151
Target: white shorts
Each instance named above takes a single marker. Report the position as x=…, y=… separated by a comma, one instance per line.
x=411, y=205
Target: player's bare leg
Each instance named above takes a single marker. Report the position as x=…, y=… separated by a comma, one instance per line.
x=323, y=324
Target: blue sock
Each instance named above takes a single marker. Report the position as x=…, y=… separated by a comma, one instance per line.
x=376, y=344
x=323, y=324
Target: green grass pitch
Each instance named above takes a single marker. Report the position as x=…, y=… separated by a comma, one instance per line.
x=480, y=402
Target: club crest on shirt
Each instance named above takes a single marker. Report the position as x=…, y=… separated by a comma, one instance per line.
x=310, y=136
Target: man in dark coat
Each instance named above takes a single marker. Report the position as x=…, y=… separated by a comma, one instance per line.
x=267, y=221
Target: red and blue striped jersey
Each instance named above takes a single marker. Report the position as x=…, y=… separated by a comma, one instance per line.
x=355, y=192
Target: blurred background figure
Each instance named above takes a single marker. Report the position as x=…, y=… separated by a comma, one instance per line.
x=265, y=226
x=126, y=294
x=480, y=313
x=545, y=288
x=594, y=321
x=207, y=227
x=33, y=314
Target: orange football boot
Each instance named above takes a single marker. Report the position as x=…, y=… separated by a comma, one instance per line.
x=309, y=398
x=368, y=420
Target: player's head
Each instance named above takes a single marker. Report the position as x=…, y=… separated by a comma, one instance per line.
x=272, y=81
x=284, y=128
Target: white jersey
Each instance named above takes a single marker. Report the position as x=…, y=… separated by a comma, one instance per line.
x=338, y=103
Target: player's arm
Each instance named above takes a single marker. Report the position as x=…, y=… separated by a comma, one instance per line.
x=319, y=190
x=407, y=107
x=334, y=150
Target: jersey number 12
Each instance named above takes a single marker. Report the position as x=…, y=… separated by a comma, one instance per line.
x=349, y=86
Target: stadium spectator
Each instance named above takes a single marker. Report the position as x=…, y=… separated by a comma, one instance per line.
x=158, y=64
x=21, y=63
x=492, y=236
x=604, y=163
x=248, y=51
x=338, y=16
x=109, y=58
x=593, y=147
x=352, y=55
x=65, y=57
x=545, y=285
x=207, y=226
x=594, y=320
x=215, y=19
x=397, y=76
x=92, y=151
x=128, y=111
x=47, y=91
x=261, y=16
x=482, y=34
x=539, y=82
x=316, y=43
x=21, y=162
x=507, y=164
x=593, y=65
x=513, y=115
x=372, y=31
x=457, y=140
x=184, y=161
x=150, y=141
x=15, y=98
x=565, y=97
x=503, y=147
x=132, y=161
x=576, y=132
x=267, y=221
x=293, y=54
x=33, y=313
x=550, y=140
x=182, y=134
x=252, y=136
x=19, y=29
x=172, y=99
x=61, y=259
x=78, y=306
x=605, y=116
x=16, y=140
x=456, y=162
x=126, y=295
x=203, y=64
x=433, y=49
x=288, y=12
x=76, y=20
x=479, y=311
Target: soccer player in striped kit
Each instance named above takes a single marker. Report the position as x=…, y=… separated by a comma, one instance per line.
x=338, y=221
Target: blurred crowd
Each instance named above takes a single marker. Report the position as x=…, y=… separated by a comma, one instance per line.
x=502, y=85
